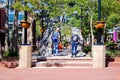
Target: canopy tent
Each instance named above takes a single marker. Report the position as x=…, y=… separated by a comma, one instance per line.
x=115, y=33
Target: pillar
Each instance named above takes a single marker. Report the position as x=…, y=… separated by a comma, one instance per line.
x=25, y=56
x=98, y=56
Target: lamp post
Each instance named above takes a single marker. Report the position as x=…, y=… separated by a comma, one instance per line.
x=25, y=24
x=99, y=24
x=25, y=59
x=25, y=29
x=99, y=50
x=99, y=18
x=79, y=16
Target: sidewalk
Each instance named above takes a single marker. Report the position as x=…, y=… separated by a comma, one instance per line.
x=60, y=74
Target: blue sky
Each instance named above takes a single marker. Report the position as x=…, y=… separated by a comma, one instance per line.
x=11, y=13
x=3, y=0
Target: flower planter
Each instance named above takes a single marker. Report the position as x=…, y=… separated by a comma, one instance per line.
x=99, y=24
x=25, y=24
x=96, y=26
x=42, y=30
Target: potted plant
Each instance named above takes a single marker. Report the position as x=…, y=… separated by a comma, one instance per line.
x=25, y=24
x=99, y=24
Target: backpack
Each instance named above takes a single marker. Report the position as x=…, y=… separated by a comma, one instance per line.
x=54, y=38
x=74, y=38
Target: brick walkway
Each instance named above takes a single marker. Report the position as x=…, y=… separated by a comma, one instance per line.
x=60, y=74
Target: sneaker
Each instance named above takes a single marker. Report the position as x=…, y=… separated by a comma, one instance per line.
x=55, y=54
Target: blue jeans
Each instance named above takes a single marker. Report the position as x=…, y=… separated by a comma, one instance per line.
x=74, y=48
x=55, y=48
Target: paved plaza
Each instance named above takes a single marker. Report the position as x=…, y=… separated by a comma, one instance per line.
x=60, y=74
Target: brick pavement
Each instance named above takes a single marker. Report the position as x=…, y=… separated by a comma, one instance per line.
x=60, y=74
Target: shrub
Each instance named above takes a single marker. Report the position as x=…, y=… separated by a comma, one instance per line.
x=65, y=43
x=113, y=53
x=86, y=49
x=6, y=54
x=10, y=53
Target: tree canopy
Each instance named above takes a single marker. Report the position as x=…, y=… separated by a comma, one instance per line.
x=110, y=10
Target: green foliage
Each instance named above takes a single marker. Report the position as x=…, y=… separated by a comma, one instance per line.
x=111, y=44
x=113, y=18
x=38, y=33
x=87, y=49
x=110, y=11
x=10, y=53
x=113, y=53
x=6, y=54
x=65, y=43
x=111, y=49
x=66, y=30
x=18, y=6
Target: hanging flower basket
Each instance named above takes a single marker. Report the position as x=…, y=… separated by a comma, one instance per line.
x=25, y=24
x=99, y=24
x=96, y=26
x=42, y=30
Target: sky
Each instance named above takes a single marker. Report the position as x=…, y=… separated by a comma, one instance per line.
x=11, y=14
x=3, y=0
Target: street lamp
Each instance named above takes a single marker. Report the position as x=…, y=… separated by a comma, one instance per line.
x=79, y=16
x=25, y=24
x=100, y=24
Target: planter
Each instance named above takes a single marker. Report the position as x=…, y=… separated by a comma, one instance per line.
x=42, y=30
x=25, y=24
x=99, y=24
x=96, y=26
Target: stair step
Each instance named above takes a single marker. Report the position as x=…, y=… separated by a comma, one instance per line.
x=64, y=62
x=64, y=59
x=114, y=64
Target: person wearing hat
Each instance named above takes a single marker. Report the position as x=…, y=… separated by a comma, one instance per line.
x=75, y=40
x=55, y=41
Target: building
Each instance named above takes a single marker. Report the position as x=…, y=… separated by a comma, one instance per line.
x=2, y=28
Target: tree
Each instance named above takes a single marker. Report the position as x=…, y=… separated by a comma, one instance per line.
x=110, y=12
x=110, y=9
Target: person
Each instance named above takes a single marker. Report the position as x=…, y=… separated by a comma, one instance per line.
x=74, y=41
x=55, y=41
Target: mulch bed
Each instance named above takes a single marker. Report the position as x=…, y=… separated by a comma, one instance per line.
x=9, y=62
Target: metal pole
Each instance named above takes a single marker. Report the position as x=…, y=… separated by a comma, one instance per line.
x=99, y=18
x=81, y=17
x=99, y=10
x=25, y=29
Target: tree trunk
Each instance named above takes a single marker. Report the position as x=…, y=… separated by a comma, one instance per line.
x=34, y=34
x=15, y=33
